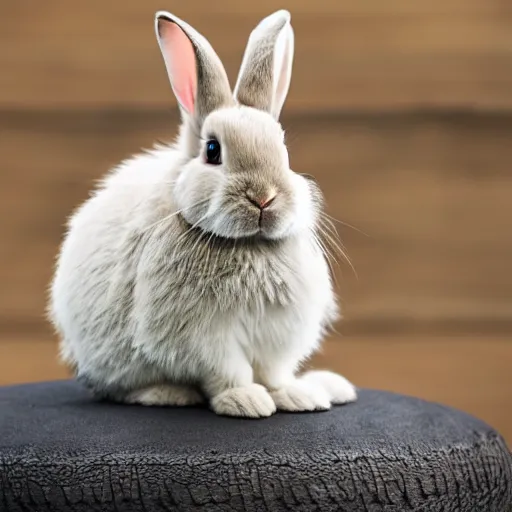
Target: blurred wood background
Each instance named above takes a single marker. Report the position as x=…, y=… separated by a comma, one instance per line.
x=402, y=110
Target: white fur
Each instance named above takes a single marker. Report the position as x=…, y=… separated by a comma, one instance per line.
x=339, y=390
x=166, y=394
x=301, y=396
x=156, y=295
x=252, y=401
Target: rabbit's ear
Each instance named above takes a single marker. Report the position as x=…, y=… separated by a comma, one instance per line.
x=196, y=73
x=266, y=70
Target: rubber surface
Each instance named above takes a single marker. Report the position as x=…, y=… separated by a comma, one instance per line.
x=62, y=451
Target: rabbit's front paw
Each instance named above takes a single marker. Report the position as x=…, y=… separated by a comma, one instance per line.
x=339, y=389
x=251, y=401
x=300, y=396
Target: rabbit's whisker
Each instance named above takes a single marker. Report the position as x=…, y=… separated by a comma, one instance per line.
x=191, y=228
x=330, y=239
x=168, y=217
x=325, y=254
x=327, y=216
x=331, y=236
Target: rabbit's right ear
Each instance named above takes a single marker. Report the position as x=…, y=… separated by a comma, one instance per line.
x=196, y=73
x=266, y=70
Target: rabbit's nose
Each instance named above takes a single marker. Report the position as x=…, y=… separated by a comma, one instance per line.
x=261, y=201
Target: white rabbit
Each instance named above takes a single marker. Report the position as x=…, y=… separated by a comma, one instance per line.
x=195, y=270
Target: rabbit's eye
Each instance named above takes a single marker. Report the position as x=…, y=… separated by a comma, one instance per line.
x=213, y=152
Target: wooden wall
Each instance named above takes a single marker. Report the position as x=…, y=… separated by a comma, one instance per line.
x=402, y=110
x=351, y=54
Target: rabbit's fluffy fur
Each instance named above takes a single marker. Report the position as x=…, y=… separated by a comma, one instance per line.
x=172, y=286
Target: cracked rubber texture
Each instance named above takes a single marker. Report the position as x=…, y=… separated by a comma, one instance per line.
x=62, y=451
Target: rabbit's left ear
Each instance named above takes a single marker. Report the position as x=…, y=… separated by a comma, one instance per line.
x=196, y=73
x=266, y=70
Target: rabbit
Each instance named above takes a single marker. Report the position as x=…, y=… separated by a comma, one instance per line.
x=194, y=273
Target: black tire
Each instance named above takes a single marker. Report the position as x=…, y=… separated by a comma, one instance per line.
x=62, y=451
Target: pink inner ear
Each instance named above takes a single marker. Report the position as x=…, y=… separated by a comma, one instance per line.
x=180, y=60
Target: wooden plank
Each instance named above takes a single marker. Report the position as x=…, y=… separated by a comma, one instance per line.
x=432, y=192
x=350, y=54
x=426, y=367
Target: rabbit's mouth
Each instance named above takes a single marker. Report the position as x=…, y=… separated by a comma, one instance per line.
x=245, y=220
x=270, y=225
x=247, y=229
